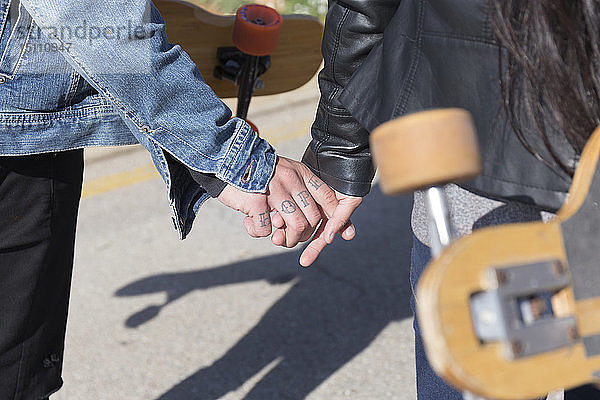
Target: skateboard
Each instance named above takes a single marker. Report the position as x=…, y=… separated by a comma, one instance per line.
x=209, y=40
x=513, y=311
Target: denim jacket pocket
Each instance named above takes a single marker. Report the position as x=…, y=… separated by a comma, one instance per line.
x=15, y=36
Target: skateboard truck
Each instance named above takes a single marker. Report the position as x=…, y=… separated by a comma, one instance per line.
x=244, y=70
x=255, y=36
x=231, y=61
x=517, y=310
x=424, y=151
x=441, y=234
x=508, y=312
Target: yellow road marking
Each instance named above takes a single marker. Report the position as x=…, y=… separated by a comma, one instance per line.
x=148, y=172
x=119, y=180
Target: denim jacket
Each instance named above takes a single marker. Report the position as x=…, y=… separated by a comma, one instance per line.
x=81, y=73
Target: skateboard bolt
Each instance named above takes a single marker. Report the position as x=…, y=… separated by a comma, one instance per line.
x=516, y=347
x=501, y=277
x=572, y=333
x=538, y=307
x=559, y=268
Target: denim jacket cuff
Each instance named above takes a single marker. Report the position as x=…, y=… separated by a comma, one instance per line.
x=250, y=162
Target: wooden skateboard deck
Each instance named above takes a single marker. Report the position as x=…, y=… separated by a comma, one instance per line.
x=199, y=32
x=538, y=329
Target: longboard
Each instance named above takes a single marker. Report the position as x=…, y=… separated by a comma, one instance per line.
x=513, y=312
x=509, y=312
x=200, y=33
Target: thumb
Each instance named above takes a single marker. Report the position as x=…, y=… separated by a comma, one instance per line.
x=340, y=220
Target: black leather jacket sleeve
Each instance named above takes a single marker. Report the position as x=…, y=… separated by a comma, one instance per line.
x=339, y=151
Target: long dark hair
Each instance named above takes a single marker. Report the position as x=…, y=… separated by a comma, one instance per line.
x=552, y=68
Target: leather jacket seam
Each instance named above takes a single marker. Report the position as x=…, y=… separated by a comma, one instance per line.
x=321, y=142
x=328, y=109
x=334, y=92
x=333, y=76
x=335, y=110
x=407, y=87
x=337, y=45
x=495, y=178
x=466, y=38
x=347, y=7
x=345, y=180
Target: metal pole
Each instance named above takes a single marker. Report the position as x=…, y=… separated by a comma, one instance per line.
x=247, y=82
x=440, y=229
x=441, y=235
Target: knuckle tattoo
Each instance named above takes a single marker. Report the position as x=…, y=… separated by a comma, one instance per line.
x=265, y=219
x=304, y=196
x=288, y=207
x=315, y=182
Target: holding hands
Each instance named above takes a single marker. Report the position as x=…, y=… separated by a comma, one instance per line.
x=296, y=204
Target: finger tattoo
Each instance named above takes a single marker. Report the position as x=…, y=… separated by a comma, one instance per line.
x=315, y=182
x=288, y=207
x=303, y=196
x=265, y=219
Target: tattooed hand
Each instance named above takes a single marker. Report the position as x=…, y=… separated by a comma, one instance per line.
x=254, y=205
x=301, y=202
x=339, y=221
x=294, y=193
x=334, y=208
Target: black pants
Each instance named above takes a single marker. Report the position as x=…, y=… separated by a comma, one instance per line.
x=39, y=199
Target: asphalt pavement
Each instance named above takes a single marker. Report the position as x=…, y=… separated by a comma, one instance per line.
x=221, y=315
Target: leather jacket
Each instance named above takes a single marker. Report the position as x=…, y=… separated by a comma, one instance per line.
x=387, y=58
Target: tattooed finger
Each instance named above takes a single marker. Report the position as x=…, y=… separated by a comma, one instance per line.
x=304, y=196
x=315, y=182
x=288, y=207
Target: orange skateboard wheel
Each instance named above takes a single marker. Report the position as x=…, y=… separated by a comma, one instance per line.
x=256, y=29
x=254, y=127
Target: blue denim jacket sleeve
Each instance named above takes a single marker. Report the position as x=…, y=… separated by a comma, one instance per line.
x=120, y=47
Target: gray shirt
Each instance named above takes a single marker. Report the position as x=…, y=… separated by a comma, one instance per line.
x=469, y=211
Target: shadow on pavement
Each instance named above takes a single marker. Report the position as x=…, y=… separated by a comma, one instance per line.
x=332, y=312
